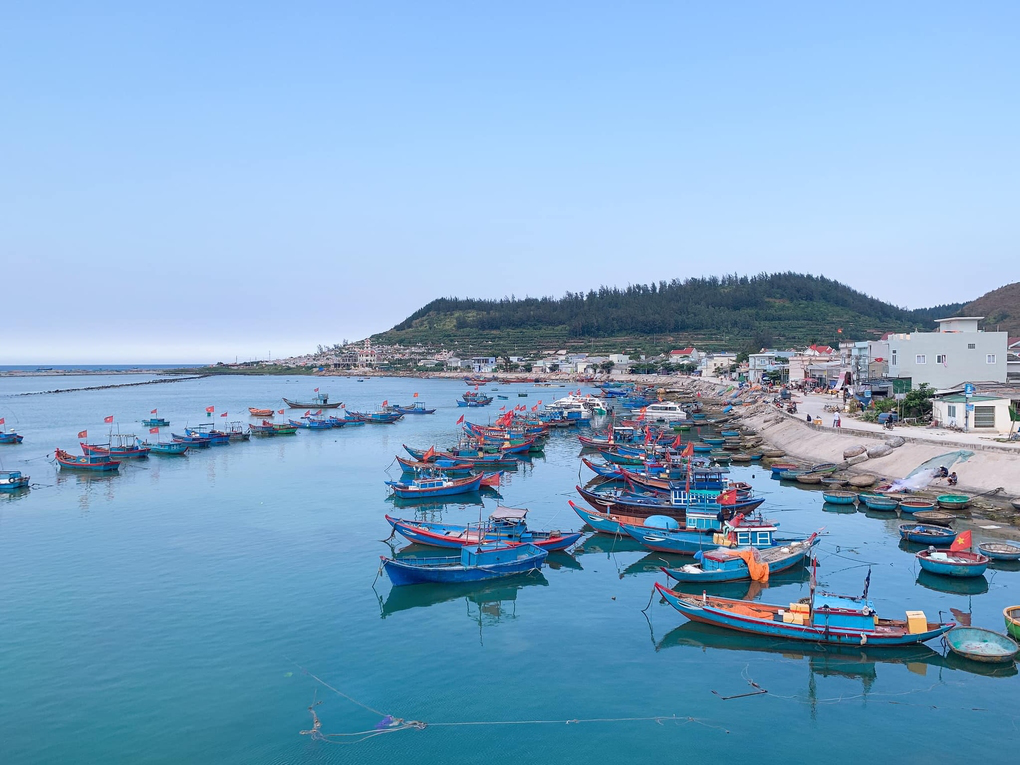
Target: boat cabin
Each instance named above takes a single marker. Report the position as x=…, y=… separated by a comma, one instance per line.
x=494, y=552
x=429, y=483
x=509, y=521
x=843, y=612
x=753, y=532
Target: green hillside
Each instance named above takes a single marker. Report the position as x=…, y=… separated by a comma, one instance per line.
x=729, y=312
x=1001, y=309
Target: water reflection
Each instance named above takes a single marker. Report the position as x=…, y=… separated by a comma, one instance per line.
x=971, y=585
x=89, y=485
x=831, y=507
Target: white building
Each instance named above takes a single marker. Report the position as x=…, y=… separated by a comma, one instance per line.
x=715, y=364
x=979, y=413
x=766, y=361
x=958, y=351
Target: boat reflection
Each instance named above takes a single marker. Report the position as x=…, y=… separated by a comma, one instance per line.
x=605, y=544
x=560, y=559
x=829, y=661
x=831, y=507
x=490, y=601
x=971, y=585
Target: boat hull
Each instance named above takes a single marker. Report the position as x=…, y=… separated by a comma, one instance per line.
x=454, y=537
x=450, y=571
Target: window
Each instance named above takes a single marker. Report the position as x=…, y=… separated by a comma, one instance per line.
x=893, y=361
x=971, y=346
x=920, y=359
x=942, y=359
x=990, y=358
x=951, y=410
x=984, y=416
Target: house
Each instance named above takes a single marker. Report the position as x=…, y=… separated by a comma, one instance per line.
x=1013, y=359
x=767, y=361
x=714, y=364
x=976, y=413
x=957, y=351
x=684, y=356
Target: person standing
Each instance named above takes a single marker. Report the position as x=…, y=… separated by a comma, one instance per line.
x=836, y=421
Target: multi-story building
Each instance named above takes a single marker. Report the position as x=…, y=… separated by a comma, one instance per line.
x=956, y=353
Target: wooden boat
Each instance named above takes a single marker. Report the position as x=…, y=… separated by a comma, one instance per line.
x=94, y=463
x=778, y=468
x=437, y=486
x=824, y=467
x=273, y=429
x=773, y=454
x=612, y=523
x=448, y=467
x=809, y=478
x=909, y=506
x=935, y=517
x=743, y=458
x=703, y=530
x=156, y=422
x=255, y=412
x=238, y=431
x=416, y=408
x=474, y=564
x=833, y=481
x=1012, y=616
x=957, y=563
x=12, y=480
x=839, y=497
x=170, y=448
x=953, y=501
x=630, y=503
x=196, y=440
x=878, y=502
x=124, y=449
x=321, y=401
x=938, y=536
x=862, y=481
x=826, y=618
x=312, y=423
x=376, y=418
x=10, y=437
x=505, y=524
x=981, y=645
x=215, y=437
x=727, y=565
x=1000, y=551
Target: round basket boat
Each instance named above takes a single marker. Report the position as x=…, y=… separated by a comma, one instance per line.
x=811, y=478
x=927, y=535
x=720, y=456
x=839, y=497
x=878, y=502
x=1012, y=616
x=862, y=481
x=824, y=467
x=1016, y=504
x=790, y=475
x=953, y=501
x=957, y=563
x=915, y=505
x=702, y=448
x=935, y=517
x=713, y=441
x=774, y=454
x=833, y=481
x=741, y=457
x=1000, y=551
x=778, y=468
x=981, y=645
x=755, y=456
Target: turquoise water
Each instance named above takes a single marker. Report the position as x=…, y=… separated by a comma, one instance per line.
x=176, y=612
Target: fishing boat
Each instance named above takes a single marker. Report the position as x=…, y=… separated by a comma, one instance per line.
x=505, y=524
x=474, y=564
x=934, y=517
x=12, y=480
x=1000, y=551
x=703, y=531
x=833, y=482
x=312, y=423
x=956, y=563
x=665, y=411
x=910, y=506
x=878, y=502
x=938, y=536
x=216, y=437
x=273, y=429
x=839, y=497
x=612, y=523
x=121, y=446
x=826, y=618
x=630, y=503
x=981, y=645
x=196, y=440
x=1011, y=614
x=778, y=468
x=953, y=501
x=448, y=467
x=255, y=412
x=238, y=431
x=94, y=463
x=321, y=401
x=731, y=565
x=171, y=448
x=376, y=418
x=435, y=486
x=156, y=422
x=416, y=408
x=808, y=478
x=475, y=402
x=10, y=437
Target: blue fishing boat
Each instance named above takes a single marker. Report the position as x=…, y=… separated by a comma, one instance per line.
x=312, y=423
x=480, y=401
x=416, y=408
x=321, y=401
x=10, y=437
x=200, y=441
x=12, y=480
x=444, y=466
x=156, y=422
x=839, y=497
x=172, y=448
x=778, y=468
x=1001, y=551
x=729, y=565
x=216, y=437
x=126, y=447
x=955, y=563
x=632, y=503
x=474, y=564
x=826, y=618
x=918, y=533
x=376, y=418
x=704, y=531
x=435, y=486
x=92, y=463
x=910, y=506
x=878, y=502
x=506, y=523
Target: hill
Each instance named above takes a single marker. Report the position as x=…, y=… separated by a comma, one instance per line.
x=734, y=312
x=1001, y=309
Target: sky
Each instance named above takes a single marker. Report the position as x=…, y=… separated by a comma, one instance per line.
x=204, y=181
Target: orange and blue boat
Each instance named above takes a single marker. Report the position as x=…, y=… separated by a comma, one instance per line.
x=93, y=463
x=506, y=523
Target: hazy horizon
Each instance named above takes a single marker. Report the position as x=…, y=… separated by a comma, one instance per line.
x=195, y=181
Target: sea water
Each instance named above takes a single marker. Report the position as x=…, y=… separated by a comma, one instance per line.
x=202, y=608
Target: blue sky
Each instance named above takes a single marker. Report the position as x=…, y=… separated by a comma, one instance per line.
x=196, y=181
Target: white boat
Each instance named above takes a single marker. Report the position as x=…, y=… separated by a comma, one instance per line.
x=574, y=407
x=666, y=411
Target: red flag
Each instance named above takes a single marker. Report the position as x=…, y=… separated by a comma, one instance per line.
x=386, y=402
x=416, y=395
x=460, y=420
x=307, y=412
x=962, y=542
x=319, y=412
x=648, y=434
x=153, y=412
x=279, y=411
x=223, y=414
x=429, y=454
x=2, y=419
x=154, y=430
x=534, y=408
x=688, y=450
x=539, y=402
x=728, y=497
x=502, y=408
x=676, y=442
x=316, y=390
x=108, y=419
x=83, y=434
x=210, y=409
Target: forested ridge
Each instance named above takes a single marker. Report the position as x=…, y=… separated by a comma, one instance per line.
x=782, y=307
